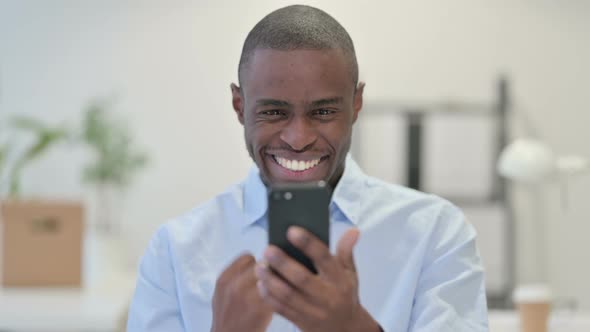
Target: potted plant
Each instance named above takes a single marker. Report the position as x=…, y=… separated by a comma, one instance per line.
x=42, y=234
x=115, y=161
x=39, y=234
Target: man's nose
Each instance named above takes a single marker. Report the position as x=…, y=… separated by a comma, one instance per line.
x=299, y=133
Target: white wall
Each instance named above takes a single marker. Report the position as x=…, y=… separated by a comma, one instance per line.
x=171, y=64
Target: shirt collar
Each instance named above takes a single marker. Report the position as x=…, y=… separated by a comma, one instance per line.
x=255, y=197
x=346, y=196
x=349, y=190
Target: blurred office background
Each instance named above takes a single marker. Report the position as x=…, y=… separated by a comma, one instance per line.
x=168, y=65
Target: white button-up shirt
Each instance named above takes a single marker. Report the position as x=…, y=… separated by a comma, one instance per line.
x=418, y=266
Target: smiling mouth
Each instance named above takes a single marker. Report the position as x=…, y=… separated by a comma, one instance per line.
x=298, y=165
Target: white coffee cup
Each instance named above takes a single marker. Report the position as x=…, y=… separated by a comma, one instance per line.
x=533, y=302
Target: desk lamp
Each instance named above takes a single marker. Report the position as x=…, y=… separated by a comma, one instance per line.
x=532, y=162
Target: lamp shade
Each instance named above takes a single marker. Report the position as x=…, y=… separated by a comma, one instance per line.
x=526, y=160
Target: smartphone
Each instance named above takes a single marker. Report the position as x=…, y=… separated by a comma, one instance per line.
x=299, y=204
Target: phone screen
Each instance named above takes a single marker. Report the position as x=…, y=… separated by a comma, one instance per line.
x=301, y=204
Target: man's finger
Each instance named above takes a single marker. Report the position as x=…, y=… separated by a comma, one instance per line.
x=242, y=263
x=278, y=307
x=345, y=248
x=314, y=248
x=239, y=266
x=291, y=270
x=284, y=299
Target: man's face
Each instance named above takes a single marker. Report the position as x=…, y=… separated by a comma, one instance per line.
x=297, y=108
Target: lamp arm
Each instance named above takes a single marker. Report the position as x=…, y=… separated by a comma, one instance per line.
x=572, y=165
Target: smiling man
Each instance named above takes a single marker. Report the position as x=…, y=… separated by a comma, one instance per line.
x=401, y=260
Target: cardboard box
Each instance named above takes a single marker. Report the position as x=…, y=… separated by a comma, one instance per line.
x=41, y=243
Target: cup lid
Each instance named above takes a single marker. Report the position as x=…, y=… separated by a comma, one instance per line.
x=532, y=293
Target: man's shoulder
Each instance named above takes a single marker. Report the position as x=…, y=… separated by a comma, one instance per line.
x=422, y=221
x=379, y=191
x=410, y=204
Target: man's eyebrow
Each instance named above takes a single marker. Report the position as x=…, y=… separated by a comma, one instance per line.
x=326, y=101
x=272, y=102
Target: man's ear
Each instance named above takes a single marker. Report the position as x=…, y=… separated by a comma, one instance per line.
x=358, y=100
x=237, y=102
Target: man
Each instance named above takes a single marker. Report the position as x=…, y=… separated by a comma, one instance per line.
x=402, y=260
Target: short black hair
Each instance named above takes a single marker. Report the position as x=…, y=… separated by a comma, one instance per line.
x=299, y=27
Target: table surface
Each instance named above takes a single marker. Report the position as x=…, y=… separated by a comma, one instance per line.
x=507, y=321
x=99, y=308
x=108, y=284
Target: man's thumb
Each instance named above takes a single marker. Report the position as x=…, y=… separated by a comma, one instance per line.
x=345, y=247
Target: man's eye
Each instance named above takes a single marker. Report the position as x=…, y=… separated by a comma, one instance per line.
x=273, y=113
x=323, y=112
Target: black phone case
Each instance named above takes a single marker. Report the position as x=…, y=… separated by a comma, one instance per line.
x=305, y=205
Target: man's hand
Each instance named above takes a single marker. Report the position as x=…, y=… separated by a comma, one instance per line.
x=324, y=302
x=237, y=306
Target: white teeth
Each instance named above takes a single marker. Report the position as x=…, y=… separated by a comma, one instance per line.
x=297, y=165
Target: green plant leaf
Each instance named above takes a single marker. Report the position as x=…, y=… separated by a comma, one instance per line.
x=27, y=123
x=116, y=159
x=3, y=156
x=45, y=137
